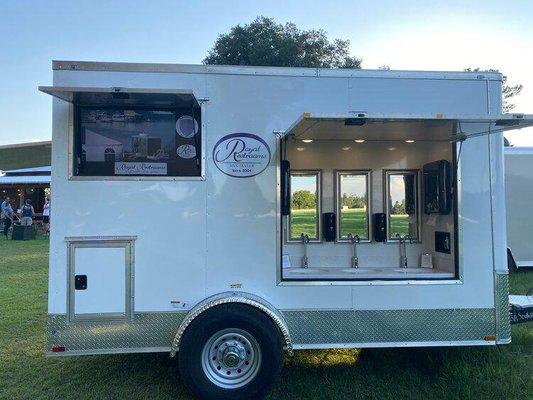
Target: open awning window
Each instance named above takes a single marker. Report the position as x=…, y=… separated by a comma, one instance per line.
x=120, y=97
x=376, y=127
x=132, y=133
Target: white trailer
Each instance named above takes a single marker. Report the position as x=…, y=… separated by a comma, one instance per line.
x=518, y=196
x=287, y=208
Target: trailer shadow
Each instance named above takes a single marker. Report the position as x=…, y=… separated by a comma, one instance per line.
x=414, y=373
x=331, y=374
x=411, y=373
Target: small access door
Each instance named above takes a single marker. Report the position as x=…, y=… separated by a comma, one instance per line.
x=100, y=284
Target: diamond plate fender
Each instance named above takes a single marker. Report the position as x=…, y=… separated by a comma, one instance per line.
x=234, y=297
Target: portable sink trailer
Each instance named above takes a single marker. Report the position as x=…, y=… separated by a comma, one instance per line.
x=231, y=214
x=519, y=193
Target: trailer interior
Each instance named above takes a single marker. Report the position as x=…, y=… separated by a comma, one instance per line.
x=369, y=199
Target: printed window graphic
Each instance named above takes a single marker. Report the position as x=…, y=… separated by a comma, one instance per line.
x=137, y=142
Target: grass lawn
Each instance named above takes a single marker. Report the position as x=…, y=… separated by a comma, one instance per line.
x=399, y=224
x=434, y=373
x=352, y=220
x=304, y=221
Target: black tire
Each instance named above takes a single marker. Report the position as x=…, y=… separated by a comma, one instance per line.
x=240, y=317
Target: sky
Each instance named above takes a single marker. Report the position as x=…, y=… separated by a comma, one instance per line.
x=414, y=35
x=303, y=183
x=354, y=185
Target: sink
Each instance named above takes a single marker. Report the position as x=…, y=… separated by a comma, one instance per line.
x=361, y=270
x=411, y=270
x=304, y=270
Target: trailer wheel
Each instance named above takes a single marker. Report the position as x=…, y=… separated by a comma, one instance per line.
x=232, y=351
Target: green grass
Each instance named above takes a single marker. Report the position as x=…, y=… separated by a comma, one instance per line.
x=521, y=281
x=352, y=220
x=399, y=224
x=303, y=221
x=433, y=373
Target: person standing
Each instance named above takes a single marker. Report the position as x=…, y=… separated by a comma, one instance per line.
x=7, y=213
x=27, y=213
x=46, y=215
x=4, y=204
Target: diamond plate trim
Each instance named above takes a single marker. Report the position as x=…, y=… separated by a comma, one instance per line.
x=234, y=297
x=157, y=330
x=146, y=330
x=387, y=326
x=503, y=324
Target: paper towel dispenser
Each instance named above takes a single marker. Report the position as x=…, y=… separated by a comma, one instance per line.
x=285, y=183
x=437, y=187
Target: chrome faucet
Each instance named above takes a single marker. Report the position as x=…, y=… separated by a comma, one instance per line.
x=354, y=239
x=403, y=254
x=305, y=259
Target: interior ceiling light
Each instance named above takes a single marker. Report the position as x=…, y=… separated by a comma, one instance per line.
x=346, y=148
x=300, y=148
x=391, y=148
x=307, y=140
x=359, y=140
x=409, y=141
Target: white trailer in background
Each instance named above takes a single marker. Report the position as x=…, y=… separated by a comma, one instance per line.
x=518, y=199
x=286, y=208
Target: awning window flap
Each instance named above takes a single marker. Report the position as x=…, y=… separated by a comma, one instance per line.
x=380, y=127
x=115, y=96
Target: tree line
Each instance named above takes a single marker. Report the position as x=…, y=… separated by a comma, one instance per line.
x=353, y=201
x=305, y=199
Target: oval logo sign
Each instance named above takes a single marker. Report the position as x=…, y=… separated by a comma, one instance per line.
x=241, y=155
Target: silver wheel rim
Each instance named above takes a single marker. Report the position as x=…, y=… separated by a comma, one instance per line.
x=231, y=358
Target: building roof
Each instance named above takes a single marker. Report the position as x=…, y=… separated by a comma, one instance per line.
x=27, y=144
x=25, y=155
x=25, y=176
x=24, y=180
x=46, y=170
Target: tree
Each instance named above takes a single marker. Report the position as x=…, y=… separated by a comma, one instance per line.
x=353, y=201
x=266, y=43
x=398, y=208
x=345, y=199
x=302, y=199
x=506, y=142
x=508, y=91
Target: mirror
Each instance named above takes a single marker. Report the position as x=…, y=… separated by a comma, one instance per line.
x=353, y=210
x=402, y=203
x=305, y=207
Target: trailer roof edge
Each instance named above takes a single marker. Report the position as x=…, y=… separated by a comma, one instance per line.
x=62, y=65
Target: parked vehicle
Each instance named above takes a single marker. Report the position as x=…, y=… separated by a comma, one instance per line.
x=298, y=209
x=518, y=195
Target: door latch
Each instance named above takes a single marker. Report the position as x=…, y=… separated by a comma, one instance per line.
x=80, y=282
